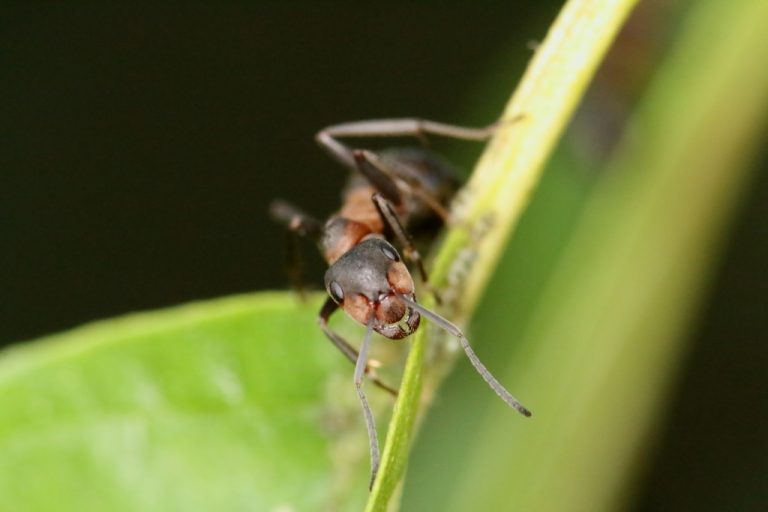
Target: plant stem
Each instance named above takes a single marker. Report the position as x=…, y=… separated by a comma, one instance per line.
x=495, y=197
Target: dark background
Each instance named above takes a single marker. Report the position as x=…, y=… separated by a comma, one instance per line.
x=140, y=148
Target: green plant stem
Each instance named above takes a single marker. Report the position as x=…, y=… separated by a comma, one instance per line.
x=496, y=195
x=531, y=125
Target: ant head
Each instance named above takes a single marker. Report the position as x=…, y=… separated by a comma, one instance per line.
x=367, y=282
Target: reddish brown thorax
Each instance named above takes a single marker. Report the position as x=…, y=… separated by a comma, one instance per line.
x=358, y=205
x=340, y=235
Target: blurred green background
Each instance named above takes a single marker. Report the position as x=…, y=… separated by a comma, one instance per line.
x=140, y=148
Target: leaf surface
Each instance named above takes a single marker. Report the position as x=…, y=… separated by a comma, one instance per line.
x=232, y=404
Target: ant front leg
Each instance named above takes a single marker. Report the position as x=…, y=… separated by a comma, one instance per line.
x=345, y=348
x=388, y=215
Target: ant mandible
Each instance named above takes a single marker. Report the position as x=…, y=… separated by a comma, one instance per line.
x=388, y=191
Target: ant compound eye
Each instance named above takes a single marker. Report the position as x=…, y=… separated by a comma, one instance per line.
x=336, y=292
x=390, y=253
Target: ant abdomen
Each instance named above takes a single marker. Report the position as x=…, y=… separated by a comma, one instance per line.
x=425, y=169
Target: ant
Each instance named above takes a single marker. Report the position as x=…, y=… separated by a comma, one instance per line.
x=389, y=190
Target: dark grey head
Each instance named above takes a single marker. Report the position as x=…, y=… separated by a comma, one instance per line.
x=366, y=281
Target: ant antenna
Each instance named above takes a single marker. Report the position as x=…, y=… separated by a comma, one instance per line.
x=369, y=423
x=480, y=367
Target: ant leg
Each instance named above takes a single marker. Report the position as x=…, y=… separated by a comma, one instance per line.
x=384, y=176
x=367, y=163
x=294, y=264
x=388, y=215
x=408, y=127
x=298, y=224
x=345, y=348
x=295, y=220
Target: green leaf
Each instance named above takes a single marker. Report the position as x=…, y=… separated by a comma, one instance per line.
x=233, y=404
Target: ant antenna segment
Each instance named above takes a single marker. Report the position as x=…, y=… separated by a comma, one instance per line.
x=480, y=367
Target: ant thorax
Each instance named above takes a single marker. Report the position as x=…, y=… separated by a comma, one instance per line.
x=340, y=235
x=357, y=205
